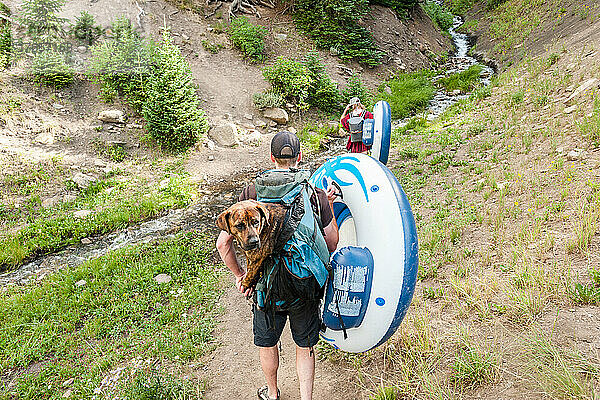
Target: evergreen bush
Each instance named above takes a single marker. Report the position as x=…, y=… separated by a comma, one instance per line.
x=323, y=92
x=400, y=6
x=172, y=107
x=121, y=65
x=40, y=19
x=50, y=68
x=85, y=30
x=333, y=25
x=249, y=38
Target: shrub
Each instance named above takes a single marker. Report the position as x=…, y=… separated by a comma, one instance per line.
x=121, y=65
x=400, y=6
x=51, y=69
x=355, y=88
x=465, y=81
x=266, y=100
x=5, y=38
x=323, y=92
x=172, y=108
x=438, y=14
x=333, y=25
x=411, y=92
x=493, y=4
x=249, y=38
x=290, y=79
x=85, y=30
x=460, y=7
x=39, y=16
x=211, y=47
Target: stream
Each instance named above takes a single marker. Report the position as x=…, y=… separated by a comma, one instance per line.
x=219, y=194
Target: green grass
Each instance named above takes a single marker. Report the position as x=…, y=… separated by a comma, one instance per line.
x=474, y=366
x=589, y=126
x=311, y=135
x=438, y=14
x=119, y=314
x=410, y=93
x=465, y=81
x=50, y=230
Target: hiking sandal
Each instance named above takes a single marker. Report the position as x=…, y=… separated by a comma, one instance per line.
x=263, y=393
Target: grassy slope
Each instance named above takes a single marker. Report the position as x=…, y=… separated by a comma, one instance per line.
x=508, y=230
x=120, y=317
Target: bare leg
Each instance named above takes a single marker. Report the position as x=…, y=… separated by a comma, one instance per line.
x=305, y=368
x=269, y=361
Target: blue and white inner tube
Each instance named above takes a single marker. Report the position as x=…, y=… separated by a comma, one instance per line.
x=375, y=263
x=378, y=132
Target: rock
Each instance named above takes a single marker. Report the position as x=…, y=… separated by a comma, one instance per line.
x=251, y=136
x=325, y=143
x=45, y=138
x=163, y=278
x=333, y=51
x=99, y=163
x=569, y=110
x=82, y=213
x=58, y=106
x=83, y=181
x=292, y=130
x=456, y=92
x=387, y=89
x=113, y=116
x=86, y=241
x=280, y=36
x=68, y=382
x=224, y=134
x=211, y=157
x=272, y=124
x=134, y=126
x=81, y=283
x=164, y=183
x=69, y=198
x=67, y=394
x=575, y=154
x=584, y=87
x=248, y=117
x=209, y=144
x=259, y=123
x=185, y=37
x=560, y=150
x=50, y=202
x=277, y=114
x=82, y=49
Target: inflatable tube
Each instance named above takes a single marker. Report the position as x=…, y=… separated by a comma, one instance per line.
x=375, y=264
x=378, y=132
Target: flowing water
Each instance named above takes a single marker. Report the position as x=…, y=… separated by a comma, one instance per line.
x=218, y=195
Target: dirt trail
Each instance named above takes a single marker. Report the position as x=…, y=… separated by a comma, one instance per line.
x=233, y=369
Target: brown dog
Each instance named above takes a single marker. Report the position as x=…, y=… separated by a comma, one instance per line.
x=255, y=226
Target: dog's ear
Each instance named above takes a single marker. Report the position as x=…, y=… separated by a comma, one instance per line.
x=223, y=221
x=264, y=213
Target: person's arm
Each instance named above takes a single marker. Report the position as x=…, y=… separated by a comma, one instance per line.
x=227, y=253
x=344, y=113
x=331, y=230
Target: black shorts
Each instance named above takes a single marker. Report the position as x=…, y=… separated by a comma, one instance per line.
x=304, y=324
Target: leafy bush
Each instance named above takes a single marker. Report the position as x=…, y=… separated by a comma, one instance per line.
x=5, y=38
x=400, y=6
x=85, y=30
x=289, y=78
x=493, y=4
x=465, y=81
x=121, y=65
x=438, y=14
x=172, y=108
x=249, y=38
x=410, y=92
x=39, y=16
x=355, y=88
x=266, y=100
x=460, y=7
x=333, y=25
x=51, y=69
x=323, y=92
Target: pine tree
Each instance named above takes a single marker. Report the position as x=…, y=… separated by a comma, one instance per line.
x=39, y=16
x=172, y=108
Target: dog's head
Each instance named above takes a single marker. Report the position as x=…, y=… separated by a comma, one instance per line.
x=245, y=220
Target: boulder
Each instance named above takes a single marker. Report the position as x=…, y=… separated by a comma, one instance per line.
x=113, y=116
x=83, y=181
x=224, y=134
x=277, y=114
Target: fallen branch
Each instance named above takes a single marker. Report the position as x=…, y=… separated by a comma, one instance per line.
x=139, y=16
x=215, y=10
x=173, y=13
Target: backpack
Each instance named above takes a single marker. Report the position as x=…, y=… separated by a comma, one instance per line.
x=355, y=125
x=294, y=275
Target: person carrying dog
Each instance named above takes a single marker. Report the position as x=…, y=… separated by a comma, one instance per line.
x=352, y=121
x=292, y=283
